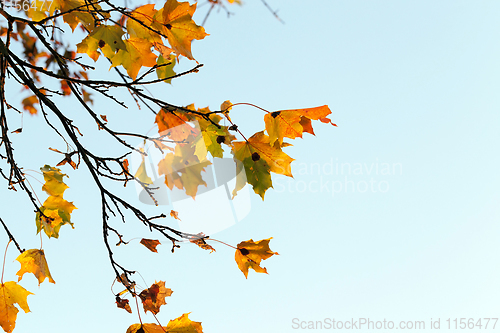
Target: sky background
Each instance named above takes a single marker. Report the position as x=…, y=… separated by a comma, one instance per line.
x=410, y=232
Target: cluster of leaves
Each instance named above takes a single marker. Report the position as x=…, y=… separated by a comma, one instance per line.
x=136, y=43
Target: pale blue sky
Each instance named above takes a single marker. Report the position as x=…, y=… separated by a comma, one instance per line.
x=412, y=84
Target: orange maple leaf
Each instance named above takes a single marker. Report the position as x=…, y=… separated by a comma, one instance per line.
x=28, y=104
x=151, y=244
x=154, y=297
x=175, y=20
x=10, y=294
x=292, y=123
x=175, y=214
x=249, y=255
x=33, y=261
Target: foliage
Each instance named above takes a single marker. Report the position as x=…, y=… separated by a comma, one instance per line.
x=137, y=43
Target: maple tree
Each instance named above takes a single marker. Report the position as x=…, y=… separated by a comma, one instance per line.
x=142, y=45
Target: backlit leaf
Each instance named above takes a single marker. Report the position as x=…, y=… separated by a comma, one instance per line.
x=249, y=254
x=11, y=293
x=151, y=244
x=292, y=123
x=154, y=297
x=175, y=20
x=33, y=261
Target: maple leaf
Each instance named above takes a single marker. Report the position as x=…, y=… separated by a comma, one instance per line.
x=179, y=325
x=183, y=169
x=146, y=328
x=154, y=297
x=249, y=254
x=28, y=104
x=122, y=303
x=11, y=293
x=166, y=67
x=184, y=324
x=56, y=211
x=174, y=124
x=292, y=123
x=108, y=38
x=175, y=214
x=201, y=242
x=151, y=244
x=175, y=21
x=33, y=261
x=54, y=185
x=137, y=54
x=140, y=21
x=74, y=17
x=141, y=173
x=259, y=158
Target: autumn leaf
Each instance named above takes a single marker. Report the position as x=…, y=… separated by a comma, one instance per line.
x=146, y=328
x=175, y=21
x=292, y=123
x=74, y=17
x=140, y=22
x=184, y=325
x=151, y=244
x=249, y=254
x=174, y=124
x=165, y=67
x=141, y=174
x=180, y=325
x=105, y=37
x=11, y=293
x=123, y=303
x=201, y=242
x=259, y=159
x=183, y=169
x=55, y=211
x=29, y=104
x=137, y=54
x=33, y=261
x=175, y=214
x=154, y=297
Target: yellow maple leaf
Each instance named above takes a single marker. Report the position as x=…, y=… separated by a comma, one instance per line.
x=56, y=211
x=259, y=143
x=292, y=123
x=175, y=21
x=11, y=293
x=154, y=297
x=249, y=255
x=139, y=22
x=179, y=325
x=33, y=261
x=104, y=37
x=184, y=168
x=259, y=159
x=137, y=54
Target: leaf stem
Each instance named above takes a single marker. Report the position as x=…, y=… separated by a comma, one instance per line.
x=221, y=242
x=4, y=256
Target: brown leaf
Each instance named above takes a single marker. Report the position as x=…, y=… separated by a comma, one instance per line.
x=123, y=304
x=154, y=297
x=151, y=244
